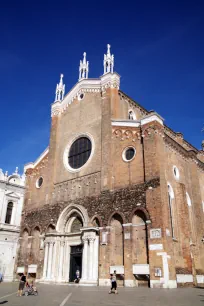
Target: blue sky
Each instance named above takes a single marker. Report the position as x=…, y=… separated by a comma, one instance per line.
x=159, y=53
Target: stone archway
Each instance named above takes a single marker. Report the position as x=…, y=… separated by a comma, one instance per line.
x=63, y=247
x=69, y=211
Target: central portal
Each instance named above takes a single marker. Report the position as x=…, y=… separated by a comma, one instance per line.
x=75, y=262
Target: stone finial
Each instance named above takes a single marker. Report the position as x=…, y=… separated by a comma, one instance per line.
x=83, y=68
x=1, y=174
x=6, y=173
x=202, y=145
x=108, y=62
x=16, y=171
x=60, y=90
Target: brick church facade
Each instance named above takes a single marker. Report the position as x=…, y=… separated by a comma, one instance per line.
x=115, y=190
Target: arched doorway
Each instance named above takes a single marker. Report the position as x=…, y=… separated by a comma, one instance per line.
x=73, y=226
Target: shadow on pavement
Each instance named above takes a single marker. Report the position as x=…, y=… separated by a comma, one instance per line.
x=4, y=302
x=199, y=287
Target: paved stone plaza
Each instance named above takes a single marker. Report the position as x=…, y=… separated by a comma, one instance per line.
x=59, y=295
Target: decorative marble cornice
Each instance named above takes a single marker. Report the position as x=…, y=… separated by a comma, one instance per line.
x=126, y=133
x=126, y=123
x=38, y=160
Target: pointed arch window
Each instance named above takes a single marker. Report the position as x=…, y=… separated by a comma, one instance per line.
x=170, y=201
x=131, y=115
x=9, y=213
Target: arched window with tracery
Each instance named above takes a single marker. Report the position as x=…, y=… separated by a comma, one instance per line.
x=9, y=213
x=170, y=202
x=191, y=219
x=76, y=225
x=131, y=115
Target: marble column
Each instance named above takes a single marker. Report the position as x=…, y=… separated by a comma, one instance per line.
x=61, y=260
x=91, y=258
x=67, y=261
x=45, y=261
x=54, y=261
x=85, y=260
x=57, y=258
x=95, y=272
x=49, y=269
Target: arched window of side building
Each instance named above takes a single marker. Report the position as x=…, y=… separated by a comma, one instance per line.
x=9, y=213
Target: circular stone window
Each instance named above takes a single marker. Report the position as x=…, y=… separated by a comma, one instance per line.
x=79, y=152
x=39, y=182
x=129, y=154
x=80, y=96
x=176, y=172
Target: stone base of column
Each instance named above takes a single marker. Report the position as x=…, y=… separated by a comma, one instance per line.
x=130, y=283
x=8, y=278
x=88, y=282
x=104, y=282
x=171, y=284
x=48, y=281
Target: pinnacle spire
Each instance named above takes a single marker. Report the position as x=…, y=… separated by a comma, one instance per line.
x=108, y=62
x=83, y=68
x=60, y=90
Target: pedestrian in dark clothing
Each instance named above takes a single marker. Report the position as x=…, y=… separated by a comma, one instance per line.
x=21, y=285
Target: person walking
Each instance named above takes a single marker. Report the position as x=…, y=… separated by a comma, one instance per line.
x=21, y=285
x=1, y=277
x=113, y=283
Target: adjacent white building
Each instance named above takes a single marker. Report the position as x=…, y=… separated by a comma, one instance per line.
x=11, y=204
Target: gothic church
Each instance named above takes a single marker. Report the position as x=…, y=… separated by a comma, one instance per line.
x=115, y=190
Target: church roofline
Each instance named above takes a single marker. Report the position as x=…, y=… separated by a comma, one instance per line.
x=174, y=134
x=33, y=165
x=86, y=85
x=132, y=100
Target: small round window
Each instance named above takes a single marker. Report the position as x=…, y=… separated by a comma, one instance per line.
x=39, y=182
x=81, y=96
x=129, y=154
x=79, y=152
x=176, y=172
